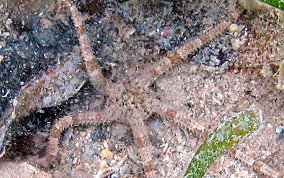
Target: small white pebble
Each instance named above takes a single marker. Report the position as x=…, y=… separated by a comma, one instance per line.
x=9, y=21
x=75, y=160
x=152, y=33
x=8, y=24
x=269, y=125
x=233, y=28
x=220, y=96
x=193, y=143
x=83, y=134
x=235, y=43
x=5, y=34
x=278, y=130
x=179, y=148
x=131, y=31
x=2, y=44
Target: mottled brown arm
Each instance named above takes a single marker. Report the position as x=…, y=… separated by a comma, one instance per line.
x=166, y=63
x=92, y=67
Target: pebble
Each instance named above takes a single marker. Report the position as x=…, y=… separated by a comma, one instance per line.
x=278, y=130
x=83, y=134
x=152, y=33
x=2, y=44
x=220, y=96
x=193, y=143
x=166, y=32
x=130, y=32
x=269, y=126
x=5, y=34
x=118, y=158
x=202, y=102
x=235, y=43
x=9, y=21
x=233, y=28
x=179, y=148
x=75, y=160
x=106, y=154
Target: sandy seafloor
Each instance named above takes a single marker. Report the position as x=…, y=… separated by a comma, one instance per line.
x=205, y=86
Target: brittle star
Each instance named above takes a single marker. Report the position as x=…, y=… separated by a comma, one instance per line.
x=131, y=100
x=131, y=95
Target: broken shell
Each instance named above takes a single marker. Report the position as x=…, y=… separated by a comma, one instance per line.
x=55, y=85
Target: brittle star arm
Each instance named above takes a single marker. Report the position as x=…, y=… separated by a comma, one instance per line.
x=164, y=64
x=141, y=140
x=90, y=118
x=92, y=67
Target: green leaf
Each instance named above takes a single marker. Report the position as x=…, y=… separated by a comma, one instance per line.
x=229, y=133
x=275, y=3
